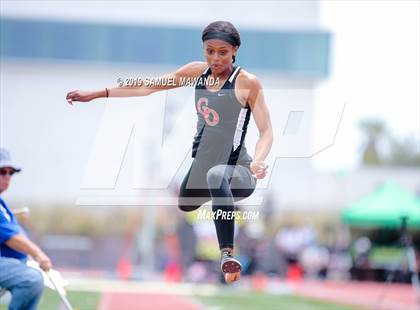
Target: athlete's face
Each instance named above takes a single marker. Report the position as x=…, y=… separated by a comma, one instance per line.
x=219, y=55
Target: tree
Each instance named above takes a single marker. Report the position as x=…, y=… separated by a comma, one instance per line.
x=373, y=130
x=403, y=151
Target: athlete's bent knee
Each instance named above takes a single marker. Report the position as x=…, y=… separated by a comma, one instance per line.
x=185, y=204
x=187, y=208
x=215, y=176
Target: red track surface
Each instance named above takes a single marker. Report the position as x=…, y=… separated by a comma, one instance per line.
x=369, y=295
x=134, y=301
x=366, y=294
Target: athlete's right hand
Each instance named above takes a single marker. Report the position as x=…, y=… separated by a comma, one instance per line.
x=80, y=95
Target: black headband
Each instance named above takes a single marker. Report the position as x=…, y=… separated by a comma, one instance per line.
x=221, y=36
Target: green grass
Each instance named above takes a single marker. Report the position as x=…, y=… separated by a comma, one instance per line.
x=220, y=301
x=263, y=301
x=82, y=300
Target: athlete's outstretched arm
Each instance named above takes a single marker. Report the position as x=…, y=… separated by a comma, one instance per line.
x=262, y=119
x=190, y=70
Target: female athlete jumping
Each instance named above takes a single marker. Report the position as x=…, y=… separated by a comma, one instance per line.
x=222, y=171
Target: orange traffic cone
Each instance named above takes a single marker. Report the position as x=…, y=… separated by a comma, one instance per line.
x=124, y=269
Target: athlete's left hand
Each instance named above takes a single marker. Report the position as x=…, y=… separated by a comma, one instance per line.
x=259, y=169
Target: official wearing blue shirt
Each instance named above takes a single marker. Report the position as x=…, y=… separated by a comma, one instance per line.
x=9, y=227
x=25, y=283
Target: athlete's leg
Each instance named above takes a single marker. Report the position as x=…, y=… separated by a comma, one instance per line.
x=193, y=192
x=227, y=184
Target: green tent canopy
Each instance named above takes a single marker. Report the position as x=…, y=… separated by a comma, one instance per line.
x=384, y=208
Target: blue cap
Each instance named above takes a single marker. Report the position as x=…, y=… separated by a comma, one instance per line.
x=6, y=160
